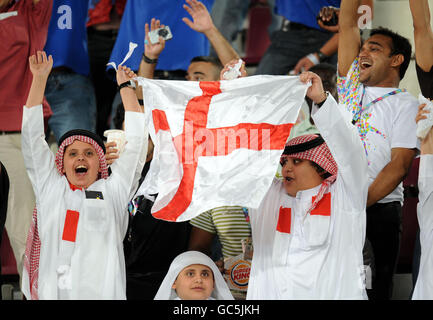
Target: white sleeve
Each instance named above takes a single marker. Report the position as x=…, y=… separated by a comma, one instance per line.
x=425, y=185
x=38, y=158
x=126, y=171
x=342, y=138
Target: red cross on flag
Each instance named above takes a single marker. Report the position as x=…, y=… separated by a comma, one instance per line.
x=216, y=143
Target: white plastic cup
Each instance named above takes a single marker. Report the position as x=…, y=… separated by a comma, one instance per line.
x=117, y=136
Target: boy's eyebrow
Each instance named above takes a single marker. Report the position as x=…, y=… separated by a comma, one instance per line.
x=198, y=72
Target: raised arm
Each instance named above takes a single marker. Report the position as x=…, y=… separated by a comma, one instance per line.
x=40, y=66
x=422, y=33
x=126, y=170
x=38, y=158
x=202, y=22
x=342, y=139
x=127, y=93
x=151, y=53
x=349, y=41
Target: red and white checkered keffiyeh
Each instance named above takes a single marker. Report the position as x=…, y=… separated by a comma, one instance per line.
x=320, y=155
x=33, y=244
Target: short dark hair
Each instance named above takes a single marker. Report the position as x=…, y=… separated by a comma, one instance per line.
x=400, y=45
x=325, y=174
x=213, y=60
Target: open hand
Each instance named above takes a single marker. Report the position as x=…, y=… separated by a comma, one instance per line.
x=40, y=65
x=202, y=21
x=153, y=50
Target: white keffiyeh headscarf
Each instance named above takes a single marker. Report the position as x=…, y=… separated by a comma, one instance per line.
x=165, y=291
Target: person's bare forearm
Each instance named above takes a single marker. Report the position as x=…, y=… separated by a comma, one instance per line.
x=129, y=100
x=422, y=33
x=37, y=90
x=331, y=46
x=427, y=143
x=349, y=41
x=146, y=70
x=389, y=178
x=222, y=47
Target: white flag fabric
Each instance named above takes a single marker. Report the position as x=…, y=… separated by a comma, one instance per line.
x=216, y=143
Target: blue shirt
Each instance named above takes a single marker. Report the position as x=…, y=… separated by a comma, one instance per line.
x=178, y=52
x=304, y=11
x=67, y=37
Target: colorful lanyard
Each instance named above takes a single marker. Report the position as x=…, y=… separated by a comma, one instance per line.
x=362, y=109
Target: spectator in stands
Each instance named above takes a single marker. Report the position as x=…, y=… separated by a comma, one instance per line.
x=289, y=49
x=102, y=28
x=193, y=276
x=174, y=61
x=69, y=90
x=229, y=224
x=369, y=77
x=80, y=209
x=4, y=192
x=313, y=220
x=423, y=36
x=23, y=30
x=199, y=68
x=423, y=287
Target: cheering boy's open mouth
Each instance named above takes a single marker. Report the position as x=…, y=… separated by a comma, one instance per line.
x=81, y=170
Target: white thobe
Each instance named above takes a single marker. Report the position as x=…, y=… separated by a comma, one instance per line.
x=424, y=283
x=95, y=260
x=315, y=256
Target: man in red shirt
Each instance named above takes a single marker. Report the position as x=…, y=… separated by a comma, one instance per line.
x=23, y=30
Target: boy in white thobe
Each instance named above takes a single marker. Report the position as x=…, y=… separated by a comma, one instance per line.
x=81, y=215
x=309, y=230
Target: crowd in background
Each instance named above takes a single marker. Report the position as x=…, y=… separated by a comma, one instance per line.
x=81, y=92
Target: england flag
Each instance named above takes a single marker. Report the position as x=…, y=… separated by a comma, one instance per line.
x=216, y=143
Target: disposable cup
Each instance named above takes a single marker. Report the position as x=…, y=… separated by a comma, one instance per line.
x=117, y=136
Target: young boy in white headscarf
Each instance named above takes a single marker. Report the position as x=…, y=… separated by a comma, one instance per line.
x=193, y=276
x=309, y=230
x=75, y=245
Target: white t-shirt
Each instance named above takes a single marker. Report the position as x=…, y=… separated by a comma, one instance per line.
x=387, y=124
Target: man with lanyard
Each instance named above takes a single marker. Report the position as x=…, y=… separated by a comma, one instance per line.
x=369, y=76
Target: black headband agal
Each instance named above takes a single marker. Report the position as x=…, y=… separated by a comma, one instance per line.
x=304, y=146
x=86, y=133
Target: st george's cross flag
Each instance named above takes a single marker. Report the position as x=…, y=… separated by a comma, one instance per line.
x=216, y=143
